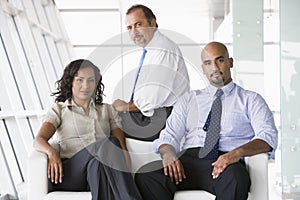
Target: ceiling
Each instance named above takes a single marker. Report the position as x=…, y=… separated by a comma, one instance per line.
x=191, y=18
x=213, y=8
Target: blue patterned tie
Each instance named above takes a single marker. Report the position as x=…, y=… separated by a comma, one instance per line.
x=213, y=128
x=138, y=73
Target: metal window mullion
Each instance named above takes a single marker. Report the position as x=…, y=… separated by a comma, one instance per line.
x=34, y=62
x=8, y=174
x=12, y=72
x=50, y=57
x=13, y=149
x=21, y=39
x=58, y=65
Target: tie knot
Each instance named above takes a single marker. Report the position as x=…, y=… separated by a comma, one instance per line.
x=144, y=51
x=219, y=93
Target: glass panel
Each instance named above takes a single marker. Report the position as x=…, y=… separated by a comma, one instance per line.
x=290, y=98
x=95, y=26
x=33, y=47
x=194, y=32
x=82, y=4
x=83, y=52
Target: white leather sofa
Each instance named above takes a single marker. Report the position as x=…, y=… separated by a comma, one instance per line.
x=141, y=153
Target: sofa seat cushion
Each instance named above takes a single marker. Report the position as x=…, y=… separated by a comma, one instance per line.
x=68, y=196
x=179, y=195
x=194, y=194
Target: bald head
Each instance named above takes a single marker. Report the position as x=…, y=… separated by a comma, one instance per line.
x=216, y=64
x=214, y=46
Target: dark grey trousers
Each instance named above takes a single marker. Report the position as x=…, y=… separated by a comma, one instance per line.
x=137, y=126
x=232, y=184
x=101, y=169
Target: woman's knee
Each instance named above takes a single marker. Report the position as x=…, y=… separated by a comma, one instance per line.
x=93, y=165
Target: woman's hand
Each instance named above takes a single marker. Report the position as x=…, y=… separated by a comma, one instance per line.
x=55, y=168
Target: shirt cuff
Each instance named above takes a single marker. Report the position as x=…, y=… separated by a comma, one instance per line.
x=148, y=113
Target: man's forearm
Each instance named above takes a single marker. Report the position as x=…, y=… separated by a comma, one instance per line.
x=252, y=148
x=166, y=149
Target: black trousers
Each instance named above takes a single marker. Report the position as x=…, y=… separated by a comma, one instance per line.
x=101, y=169
x=137, y=126
x=232, y=184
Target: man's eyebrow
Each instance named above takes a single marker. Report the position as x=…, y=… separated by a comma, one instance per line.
x=219, y=57
x=134, y=24
x=214, y=59
x=207, y=61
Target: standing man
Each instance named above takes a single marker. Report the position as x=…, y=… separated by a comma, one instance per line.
x=220, y=124
x=161, y=79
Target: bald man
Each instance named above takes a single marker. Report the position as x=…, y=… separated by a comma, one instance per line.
x=245, y=128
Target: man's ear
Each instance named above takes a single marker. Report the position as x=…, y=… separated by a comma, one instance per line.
x=231, y=62
x=153, y=23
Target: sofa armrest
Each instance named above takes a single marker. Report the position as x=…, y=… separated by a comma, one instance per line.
x=258, y=170
x=37, y=176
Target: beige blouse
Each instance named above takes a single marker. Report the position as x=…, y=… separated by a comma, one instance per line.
x=75, y=130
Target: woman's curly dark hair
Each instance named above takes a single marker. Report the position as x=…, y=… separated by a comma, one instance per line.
x=64, y=85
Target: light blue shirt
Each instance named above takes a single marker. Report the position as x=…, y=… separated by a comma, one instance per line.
x=245, y=117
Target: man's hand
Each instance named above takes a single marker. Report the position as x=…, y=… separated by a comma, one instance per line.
x=172, y=165
x=249, y=149
x=223, y=161
x=120, y=105
x=123, y=106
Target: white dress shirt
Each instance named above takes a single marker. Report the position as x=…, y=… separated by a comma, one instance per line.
x=163, y=77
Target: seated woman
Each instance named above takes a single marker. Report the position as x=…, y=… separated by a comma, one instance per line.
x=92, y=154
